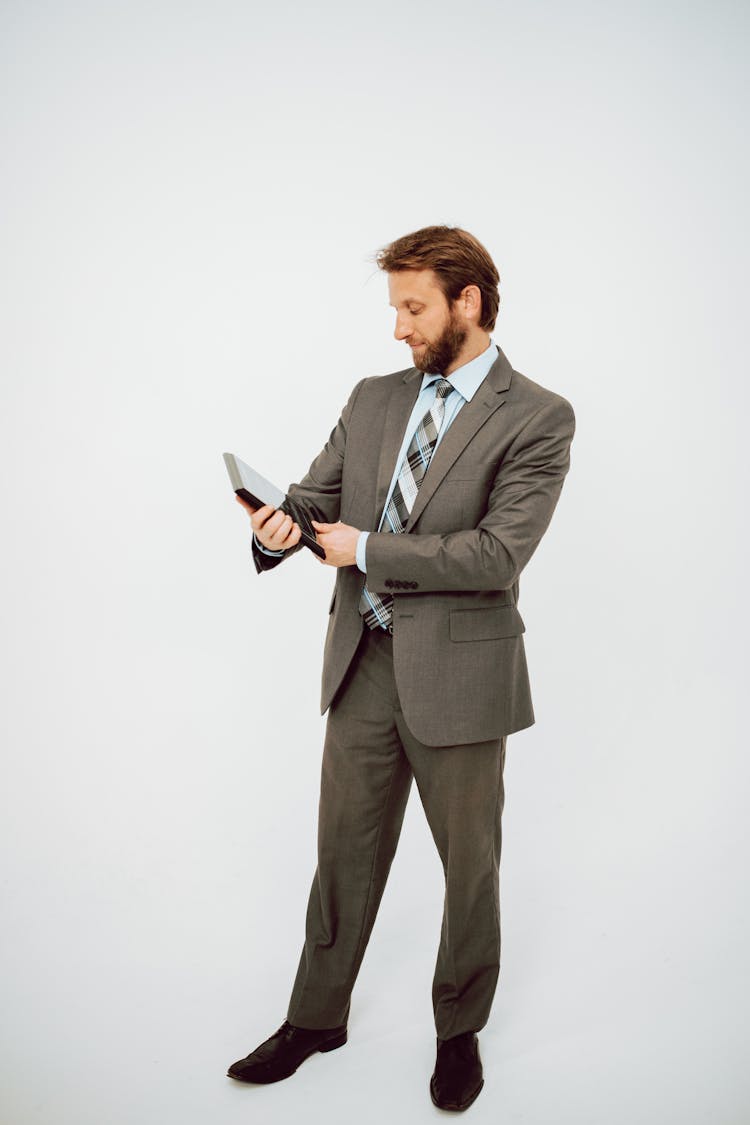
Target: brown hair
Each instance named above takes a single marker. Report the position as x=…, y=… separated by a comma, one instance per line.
x=458, y=259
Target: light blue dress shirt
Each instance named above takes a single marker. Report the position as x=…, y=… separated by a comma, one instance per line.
x=466, y=380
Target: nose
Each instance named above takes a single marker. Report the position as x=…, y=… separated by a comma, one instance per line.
x=403, y=327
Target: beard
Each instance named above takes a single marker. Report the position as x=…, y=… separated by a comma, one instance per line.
x=436, y=357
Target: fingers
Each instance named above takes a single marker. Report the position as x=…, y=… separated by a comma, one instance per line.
x=294, y=536
x=275, y=529
x=260, y=517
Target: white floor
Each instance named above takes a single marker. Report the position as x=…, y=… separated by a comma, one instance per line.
x=608, y=1011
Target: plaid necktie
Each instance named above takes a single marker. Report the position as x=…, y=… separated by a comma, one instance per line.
x=377, y=609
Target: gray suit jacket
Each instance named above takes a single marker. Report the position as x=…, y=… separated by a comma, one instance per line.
x=484, y=505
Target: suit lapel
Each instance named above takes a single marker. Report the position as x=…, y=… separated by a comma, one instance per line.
x=489, y=396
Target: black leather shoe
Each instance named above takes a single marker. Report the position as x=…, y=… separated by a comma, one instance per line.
x=279, y=1056
x=457, y=1079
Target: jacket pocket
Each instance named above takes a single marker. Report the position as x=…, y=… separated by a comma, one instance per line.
x=485, y=624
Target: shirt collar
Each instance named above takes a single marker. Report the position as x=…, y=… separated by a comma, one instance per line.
x=466, y=379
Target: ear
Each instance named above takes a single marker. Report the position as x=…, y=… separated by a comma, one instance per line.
x=470, y=303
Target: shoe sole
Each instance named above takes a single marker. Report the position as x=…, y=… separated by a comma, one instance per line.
x=331, y=1045
x=456, y=1107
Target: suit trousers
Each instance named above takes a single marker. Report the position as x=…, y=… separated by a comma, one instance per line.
x=369, y=760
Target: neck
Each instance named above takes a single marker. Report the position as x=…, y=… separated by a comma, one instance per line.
x=474, y=344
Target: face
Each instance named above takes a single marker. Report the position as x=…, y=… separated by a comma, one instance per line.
x=434, y=331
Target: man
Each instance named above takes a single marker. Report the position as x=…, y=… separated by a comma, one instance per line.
x=429, y=497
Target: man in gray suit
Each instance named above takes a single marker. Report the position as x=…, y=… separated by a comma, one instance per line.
x=429, y=497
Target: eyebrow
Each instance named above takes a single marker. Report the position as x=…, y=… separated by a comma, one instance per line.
x=407, y=301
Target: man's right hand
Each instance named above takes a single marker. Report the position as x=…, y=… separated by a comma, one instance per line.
x=275, y=529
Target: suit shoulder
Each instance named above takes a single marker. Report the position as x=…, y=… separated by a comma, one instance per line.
x=384, y=384
x=532, y=396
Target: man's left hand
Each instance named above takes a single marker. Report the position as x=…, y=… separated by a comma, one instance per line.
x=339, y=541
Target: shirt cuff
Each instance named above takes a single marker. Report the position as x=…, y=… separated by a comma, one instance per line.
x=360, y=551
x=265, y=550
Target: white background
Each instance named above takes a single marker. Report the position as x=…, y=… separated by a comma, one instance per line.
x=192, y=195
